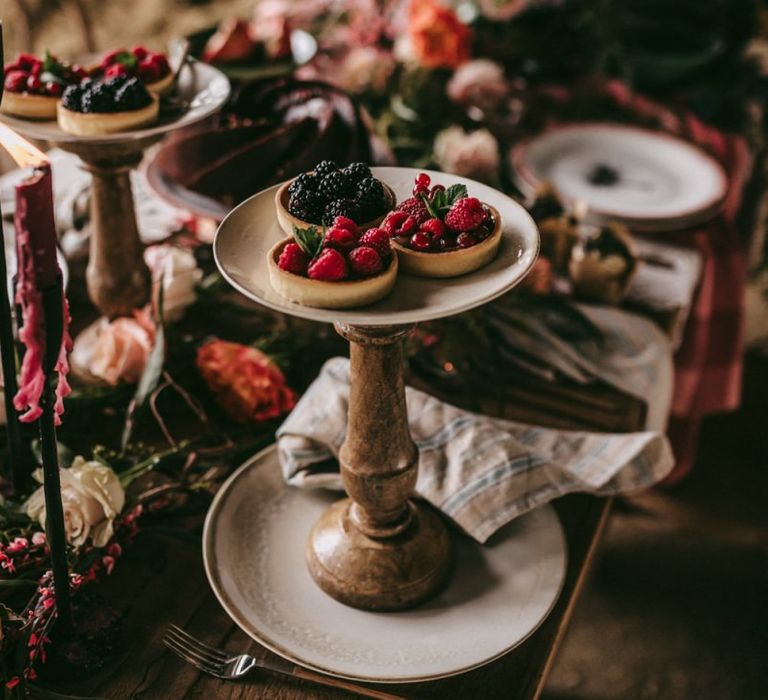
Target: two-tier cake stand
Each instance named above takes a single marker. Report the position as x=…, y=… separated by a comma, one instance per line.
x=378, y=549
x=117, y=277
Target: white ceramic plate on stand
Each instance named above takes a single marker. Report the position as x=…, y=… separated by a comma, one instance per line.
x=650, y=180
x=251, y=229
x=253, y=548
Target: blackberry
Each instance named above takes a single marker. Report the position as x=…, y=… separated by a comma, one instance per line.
x=71, y=97
x=305, y=181
x=371, y=198
x=341, y=207
x=97, y=98
x=357, y=172
x=325, y=167
x=307, y=206
x=334, y=186
x=131, y=94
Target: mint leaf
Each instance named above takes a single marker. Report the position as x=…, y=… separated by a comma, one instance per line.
x=50, y=64
x=454, y=193
x=430, y=206
x=309, y=239
x=127, y=59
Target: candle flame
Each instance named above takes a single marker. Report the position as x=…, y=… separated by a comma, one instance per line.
x=22, y=151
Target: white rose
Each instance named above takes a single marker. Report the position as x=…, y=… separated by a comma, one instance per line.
x=178, y=270
x=92, y=497
x=366, y=68
x=474, y=154
x=480, y=82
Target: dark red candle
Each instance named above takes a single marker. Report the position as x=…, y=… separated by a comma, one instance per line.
x=35, y=225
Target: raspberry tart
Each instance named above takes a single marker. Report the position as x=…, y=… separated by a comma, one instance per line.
x=441, y=232
x=150, y=67
x=339, y=268
x=106, y=106
x=33, y=86
x=319, y=196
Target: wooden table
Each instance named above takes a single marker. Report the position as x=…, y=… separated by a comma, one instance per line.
x=161, y=581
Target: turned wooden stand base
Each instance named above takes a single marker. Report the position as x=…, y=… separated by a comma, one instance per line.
x=378, y=550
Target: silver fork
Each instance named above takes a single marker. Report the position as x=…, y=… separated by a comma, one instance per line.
x=228, y=666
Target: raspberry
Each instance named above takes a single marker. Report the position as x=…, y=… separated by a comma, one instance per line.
x=378, y=239
x=325, y=167
x=16, y=81
x=416, y=208
x=34, y=84
x=421, y=241
x=340, y=238
x=346, y=222
x=115, y=70
x=329, y=266
x=466, y=239
x=293, y=259
x=365, y=261
x=466, y=215
x=140, y=52
x=53, y=89
x=434, y=227
x=421, y=184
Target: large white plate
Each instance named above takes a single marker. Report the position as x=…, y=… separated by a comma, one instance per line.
x=251, y=229
x=253, y=547
x=663, y=182
x=204, y=87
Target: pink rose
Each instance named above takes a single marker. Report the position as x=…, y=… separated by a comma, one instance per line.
x=478, y=83
x=474, y=154
x=115, y=351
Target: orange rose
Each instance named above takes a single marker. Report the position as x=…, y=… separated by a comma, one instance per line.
x=439, y=38
x=247, y=384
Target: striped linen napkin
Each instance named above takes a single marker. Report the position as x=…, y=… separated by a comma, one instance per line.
x=479, y=471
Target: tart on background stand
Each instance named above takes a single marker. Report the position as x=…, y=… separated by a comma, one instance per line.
x=443, y=232
x=338, y=269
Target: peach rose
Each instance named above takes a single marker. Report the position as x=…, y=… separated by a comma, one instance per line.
x=247, y=384
x=478, y=83
x=474, y=154
x=115, y=351
x=438, y=38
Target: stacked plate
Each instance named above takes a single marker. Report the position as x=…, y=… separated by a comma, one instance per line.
x=649, y=180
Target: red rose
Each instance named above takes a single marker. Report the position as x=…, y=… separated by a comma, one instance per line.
x=247, y=384
x=439, y=38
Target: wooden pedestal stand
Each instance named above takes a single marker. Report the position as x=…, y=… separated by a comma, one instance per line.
x=118, y=279
x=377, y=549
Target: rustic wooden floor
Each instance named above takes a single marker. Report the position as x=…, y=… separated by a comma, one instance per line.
x=677, y=606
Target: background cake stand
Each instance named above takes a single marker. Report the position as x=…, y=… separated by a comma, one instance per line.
x=378, y=550
x=117, y=277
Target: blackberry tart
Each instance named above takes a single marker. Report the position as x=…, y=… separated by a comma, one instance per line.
x=443, y=232
x=106, y=106
x=319, y=196
x=33, y=86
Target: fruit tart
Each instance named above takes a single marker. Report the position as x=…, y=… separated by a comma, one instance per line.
x=106, y=106
x=558, y=231
x=441, y=232
x=603, y=265
x=319, y=196
x=341, y=268
x=150, y=67
x=33, y=86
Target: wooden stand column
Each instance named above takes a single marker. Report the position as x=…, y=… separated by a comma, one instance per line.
x=377, y=549
x=117, y=277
